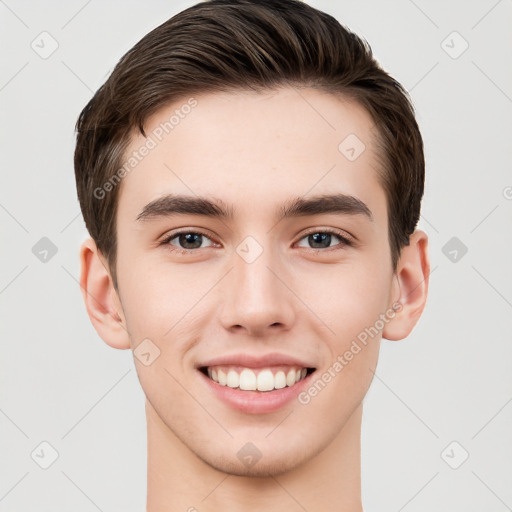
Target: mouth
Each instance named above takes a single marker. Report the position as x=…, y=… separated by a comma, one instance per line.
x=263, y=380
x=255, y=384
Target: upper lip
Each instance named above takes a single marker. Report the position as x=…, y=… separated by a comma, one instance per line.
x=253, y=361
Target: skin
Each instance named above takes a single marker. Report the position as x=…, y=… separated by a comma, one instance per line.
x=255, y=152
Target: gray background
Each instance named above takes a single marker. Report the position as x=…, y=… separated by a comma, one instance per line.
x=451, y=380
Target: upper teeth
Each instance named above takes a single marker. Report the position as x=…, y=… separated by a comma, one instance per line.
x=262, y=380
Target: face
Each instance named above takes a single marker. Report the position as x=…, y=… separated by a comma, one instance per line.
x=251, y=301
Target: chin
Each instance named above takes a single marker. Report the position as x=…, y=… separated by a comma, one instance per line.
x=263, y=468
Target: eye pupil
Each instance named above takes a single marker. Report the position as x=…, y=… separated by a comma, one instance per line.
x=317, y=239
x=190, y=238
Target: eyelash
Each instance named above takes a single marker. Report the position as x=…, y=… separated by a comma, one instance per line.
x=344, y=240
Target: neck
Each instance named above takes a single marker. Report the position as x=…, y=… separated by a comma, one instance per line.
x=178, y=480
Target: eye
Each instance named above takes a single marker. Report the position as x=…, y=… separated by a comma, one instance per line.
x=188, y=241
x=185, y=241
x=323, y=239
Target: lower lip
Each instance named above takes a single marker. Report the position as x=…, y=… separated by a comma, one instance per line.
x=255, y=402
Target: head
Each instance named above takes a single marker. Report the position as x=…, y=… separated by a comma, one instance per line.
x=259, y=112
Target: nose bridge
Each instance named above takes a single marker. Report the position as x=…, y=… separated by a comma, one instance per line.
x=257, y=299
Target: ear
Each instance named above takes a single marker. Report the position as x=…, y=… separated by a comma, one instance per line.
x=409, y=291
x=100, y=297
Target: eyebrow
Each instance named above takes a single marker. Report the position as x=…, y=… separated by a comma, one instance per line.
x=176, y=204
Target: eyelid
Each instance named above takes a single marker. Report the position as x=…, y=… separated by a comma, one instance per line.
x=173, y=234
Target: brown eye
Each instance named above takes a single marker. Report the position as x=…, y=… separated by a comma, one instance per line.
x=190, y=240
x=187, y=241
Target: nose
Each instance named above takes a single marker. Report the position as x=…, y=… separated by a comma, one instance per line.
x=256, y=297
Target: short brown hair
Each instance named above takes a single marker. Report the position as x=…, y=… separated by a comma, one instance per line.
x=225, y=45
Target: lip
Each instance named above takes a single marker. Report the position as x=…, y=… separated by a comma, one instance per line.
x=254, y=361
x=255, y=402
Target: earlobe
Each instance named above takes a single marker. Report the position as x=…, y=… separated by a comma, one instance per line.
x=411, y=287
x=100, y=297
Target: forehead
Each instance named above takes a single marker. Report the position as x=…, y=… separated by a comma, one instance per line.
x=254, y=150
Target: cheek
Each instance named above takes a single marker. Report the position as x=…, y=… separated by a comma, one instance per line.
x=355, y=310
x=167, y=308
x=151, y=289
x=147, y=304
x=351, y=299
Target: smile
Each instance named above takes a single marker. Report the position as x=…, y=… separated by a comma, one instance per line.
x=255, y=383
x=260, y=379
